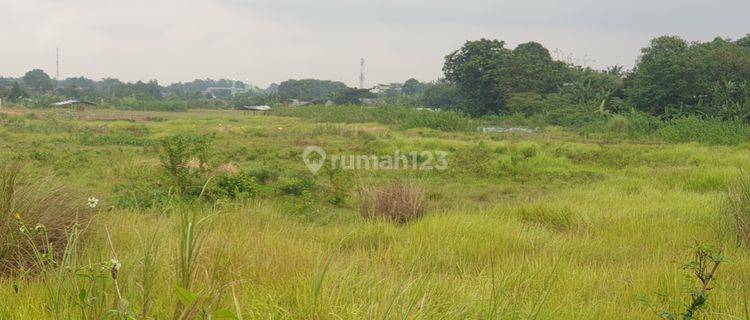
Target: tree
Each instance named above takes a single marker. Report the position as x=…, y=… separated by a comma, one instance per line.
x=310, y=89
x=37, y=80
x=78, y=88
x=662, y=77
x=534, y=70
x=744, y=42
x=411, y=87
x=672, y=74
x=480, y=71
x=441, y=95
x=16, y=93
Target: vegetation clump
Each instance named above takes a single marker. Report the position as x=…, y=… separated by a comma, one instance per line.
x=35, y=212
x=398, y=202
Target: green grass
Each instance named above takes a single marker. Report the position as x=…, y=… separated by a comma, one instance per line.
x=553, y=225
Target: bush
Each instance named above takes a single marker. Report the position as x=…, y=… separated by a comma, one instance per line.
x=340, y=184
x=295, y=185
x=235, y=186
x=34, y=213
x=184, y=157
x=395, y=202
x=737, y=208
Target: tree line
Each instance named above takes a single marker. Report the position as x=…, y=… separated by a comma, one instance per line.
x=671, y=78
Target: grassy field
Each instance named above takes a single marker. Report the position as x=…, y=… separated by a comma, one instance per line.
x=545, y=225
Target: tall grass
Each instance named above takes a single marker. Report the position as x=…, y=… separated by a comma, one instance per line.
x=34, y=201
x=737, y=208
x=705, y=130
x=398, y=202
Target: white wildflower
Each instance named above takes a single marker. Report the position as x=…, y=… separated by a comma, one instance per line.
x=92, y=202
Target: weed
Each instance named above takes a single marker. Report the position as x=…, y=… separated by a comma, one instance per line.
x=182, y=156
x=703, y=267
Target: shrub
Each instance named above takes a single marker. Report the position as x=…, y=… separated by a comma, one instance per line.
x=295, y=185
x=234, y=186
x=737, y=208
x=182, y=156
x=40, y=207
x=397, y=202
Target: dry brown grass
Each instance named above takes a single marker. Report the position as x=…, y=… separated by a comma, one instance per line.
x=397, y=202
x=31, y=202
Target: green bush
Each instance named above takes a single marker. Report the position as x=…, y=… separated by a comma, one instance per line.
x=185, y=158
x=236, y=186
x=295, y=185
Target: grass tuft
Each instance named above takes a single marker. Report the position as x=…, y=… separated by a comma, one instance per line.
x=397, y=202
x=33, y=202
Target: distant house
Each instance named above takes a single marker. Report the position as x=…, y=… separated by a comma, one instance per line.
x=298, y=103
x=255, y=109
x=301, y=103
x=79, y=104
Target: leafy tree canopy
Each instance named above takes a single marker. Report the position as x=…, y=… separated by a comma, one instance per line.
x=310, y=89
x=37, y=80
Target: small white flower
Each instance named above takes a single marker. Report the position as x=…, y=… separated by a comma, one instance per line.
x=92, y=202
x=115, y=264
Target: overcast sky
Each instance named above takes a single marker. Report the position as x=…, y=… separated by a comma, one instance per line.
x=267, y=41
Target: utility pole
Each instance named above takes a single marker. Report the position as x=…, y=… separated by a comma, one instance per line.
x=362, y=73
x=57, y=66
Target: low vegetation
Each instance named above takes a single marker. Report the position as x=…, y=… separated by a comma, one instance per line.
x=737, y=209
x=397, y=202
x=36, y=213
x=213, y=214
